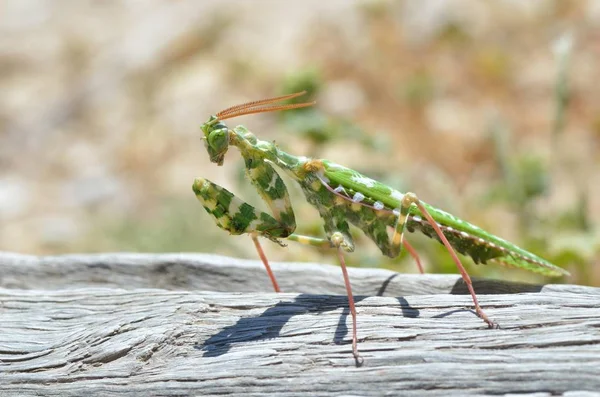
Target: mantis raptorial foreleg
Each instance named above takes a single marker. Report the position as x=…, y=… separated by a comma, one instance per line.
x=238, y=217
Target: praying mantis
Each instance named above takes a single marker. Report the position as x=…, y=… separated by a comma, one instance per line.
x=342, y=196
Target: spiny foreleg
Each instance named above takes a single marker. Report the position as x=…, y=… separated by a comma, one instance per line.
x=238, y=217
x=269, y=186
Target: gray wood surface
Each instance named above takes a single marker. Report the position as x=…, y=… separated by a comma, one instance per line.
x=182, y=324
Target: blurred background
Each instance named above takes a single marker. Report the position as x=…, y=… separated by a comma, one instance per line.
x=488, y=110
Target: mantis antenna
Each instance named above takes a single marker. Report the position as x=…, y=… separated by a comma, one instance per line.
x=263, y=105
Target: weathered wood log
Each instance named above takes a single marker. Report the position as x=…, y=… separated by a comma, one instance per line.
x=130, y=324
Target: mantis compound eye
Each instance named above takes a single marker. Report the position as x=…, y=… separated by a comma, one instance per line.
x=217, y=145
x=218, y=139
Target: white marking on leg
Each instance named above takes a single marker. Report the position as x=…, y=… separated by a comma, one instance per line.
x=280, y=205
x=378, y=205
x=234, y=207
x=210, y=204
x=273, y=182
x=253, y=226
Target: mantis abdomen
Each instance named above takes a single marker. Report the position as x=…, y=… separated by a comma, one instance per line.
x=370, y=206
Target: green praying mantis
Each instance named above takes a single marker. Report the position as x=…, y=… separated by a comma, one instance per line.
x=342, y=196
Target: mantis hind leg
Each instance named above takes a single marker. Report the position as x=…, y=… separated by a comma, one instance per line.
x=411, y=200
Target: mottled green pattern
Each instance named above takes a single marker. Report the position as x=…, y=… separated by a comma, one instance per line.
x=263, y=176
x=334, y=217
x=235, y=216
x=465, y=237
x=369, y=205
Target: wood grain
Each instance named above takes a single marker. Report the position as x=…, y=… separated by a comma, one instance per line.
x=132, y=324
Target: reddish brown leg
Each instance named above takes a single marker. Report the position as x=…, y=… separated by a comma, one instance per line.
x=265, y=262
x=456, y=260
x=414, y=254
x=357, y=357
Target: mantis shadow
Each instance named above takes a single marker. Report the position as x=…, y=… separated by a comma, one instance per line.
x=488, y=287
x=493, y=287
x=269, y=323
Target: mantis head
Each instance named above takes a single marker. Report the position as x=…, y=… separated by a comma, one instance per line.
x=216, y=139
x=216, y=133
